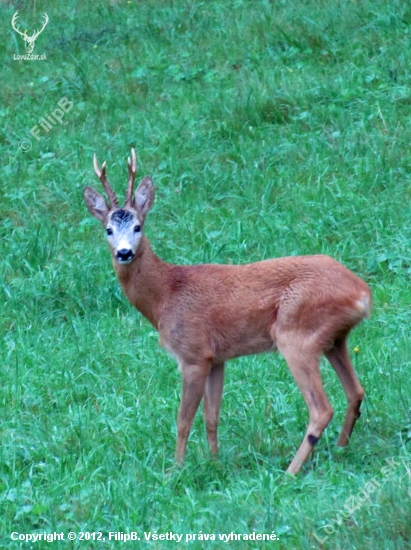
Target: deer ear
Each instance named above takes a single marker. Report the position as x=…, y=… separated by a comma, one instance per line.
x=96, y=204
x=144, y=197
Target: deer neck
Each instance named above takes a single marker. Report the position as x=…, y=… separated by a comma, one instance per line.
x=144, y=281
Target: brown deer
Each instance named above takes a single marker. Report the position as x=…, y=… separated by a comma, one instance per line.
x=303, y=306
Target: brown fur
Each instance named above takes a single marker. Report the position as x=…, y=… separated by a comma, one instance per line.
x=303, y=306
x=207, y=314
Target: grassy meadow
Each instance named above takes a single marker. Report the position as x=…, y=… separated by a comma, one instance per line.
x=270, y=129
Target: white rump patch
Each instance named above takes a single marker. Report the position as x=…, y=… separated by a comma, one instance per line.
x=363, y=304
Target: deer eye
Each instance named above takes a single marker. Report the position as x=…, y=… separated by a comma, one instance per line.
x=137, y=229
x=109, y=231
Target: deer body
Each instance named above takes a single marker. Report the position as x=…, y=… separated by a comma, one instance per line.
x=303, y=306
x=224, y=311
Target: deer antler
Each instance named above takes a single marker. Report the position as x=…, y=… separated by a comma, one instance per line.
x=36, y=33
x=132, y=171
x=13, y=24
x=101, y=174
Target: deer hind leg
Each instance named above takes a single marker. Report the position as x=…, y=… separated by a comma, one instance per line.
x=194, y=381
x=339, y=359
x=303, y=362
x=212, y=403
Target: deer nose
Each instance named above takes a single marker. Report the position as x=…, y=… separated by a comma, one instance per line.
x=124, y=255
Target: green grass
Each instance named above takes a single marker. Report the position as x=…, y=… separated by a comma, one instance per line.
x=270, y=129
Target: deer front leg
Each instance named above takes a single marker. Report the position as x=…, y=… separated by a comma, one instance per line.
x=212, y=403
x=194, y=381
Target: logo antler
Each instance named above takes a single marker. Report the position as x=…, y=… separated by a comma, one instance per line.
x=29, y=40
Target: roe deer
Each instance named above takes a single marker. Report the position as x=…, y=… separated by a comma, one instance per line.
x=303, y=306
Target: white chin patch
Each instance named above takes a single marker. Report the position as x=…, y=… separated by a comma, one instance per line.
x=120, y=261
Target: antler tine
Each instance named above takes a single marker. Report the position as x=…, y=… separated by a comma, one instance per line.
x=13, y=23
x=101, y=174
x=37, y=32
x=132, y=171
x=46, y=20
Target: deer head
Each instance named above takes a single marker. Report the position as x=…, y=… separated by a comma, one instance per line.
x=123, y=225
x=29, y=40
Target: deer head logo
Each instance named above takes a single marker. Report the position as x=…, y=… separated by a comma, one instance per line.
x=29, y=40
